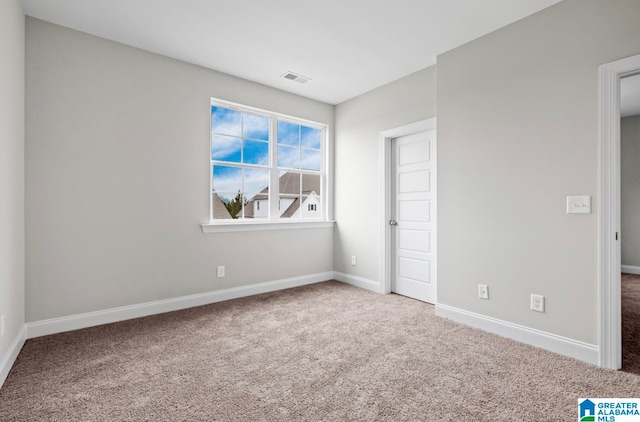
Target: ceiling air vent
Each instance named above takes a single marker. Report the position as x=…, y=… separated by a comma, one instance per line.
x=296, y=78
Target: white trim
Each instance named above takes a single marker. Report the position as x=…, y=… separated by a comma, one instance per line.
x=385, y=189
x=609, y=318
x=107, y=316
x=630, y=269
x=10, y=356
x=363, y=283
x=247, y=226
x=265, y=113
x=562, y=345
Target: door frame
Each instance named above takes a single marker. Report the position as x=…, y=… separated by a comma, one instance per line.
x=385, y=197
x=609, y=256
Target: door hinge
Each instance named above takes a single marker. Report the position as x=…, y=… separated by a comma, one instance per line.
x=616, y=235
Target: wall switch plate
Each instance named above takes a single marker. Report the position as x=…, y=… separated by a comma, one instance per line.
x=578, y=205
x=1, y=326
x=483, y=291
x=537, y=303
x=353, y=261
x=220, y=271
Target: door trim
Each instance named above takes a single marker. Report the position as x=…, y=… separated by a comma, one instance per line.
x=609, y=300
x=385, y=203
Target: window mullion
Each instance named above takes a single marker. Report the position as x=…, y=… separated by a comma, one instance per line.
x=274, y=188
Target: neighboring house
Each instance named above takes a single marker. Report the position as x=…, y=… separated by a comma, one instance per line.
x=258, y=207
x=310, y=207
x=291, y=196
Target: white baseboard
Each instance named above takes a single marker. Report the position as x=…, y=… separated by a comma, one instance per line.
x=107, y=316
x=630, y=269
x=554, y=343
x=10, y=356
x=363, y=283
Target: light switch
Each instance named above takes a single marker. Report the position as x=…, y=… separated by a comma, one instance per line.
x=578, y=205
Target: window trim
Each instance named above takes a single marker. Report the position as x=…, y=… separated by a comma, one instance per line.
x=271, y=223
x=251, y=225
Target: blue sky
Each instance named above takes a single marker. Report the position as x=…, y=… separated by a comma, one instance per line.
x=243, y=138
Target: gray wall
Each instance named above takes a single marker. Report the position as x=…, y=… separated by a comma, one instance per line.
x=357, y=163
x=517, y=133
x=630, y=189
x=117, y=179
x=11, y=170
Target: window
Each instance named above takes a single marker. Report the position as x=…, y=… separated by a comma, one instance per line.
x=265, y=166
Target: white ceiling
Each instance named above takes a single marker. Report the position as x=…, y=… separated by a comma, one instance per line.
x=630, y=96
x=347, y=47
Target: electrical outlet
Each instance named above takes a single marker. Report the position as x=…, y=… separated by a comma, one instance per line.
x=220, y=271
x=483, y=291
x=1, y=326
x=537, y=303
x=354, y=262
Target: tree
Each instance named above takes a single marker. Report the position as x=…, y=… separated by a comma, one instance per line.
x=235, y=205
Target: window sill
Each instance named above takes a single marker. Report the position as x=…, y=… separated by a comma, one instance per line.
x=264, y=225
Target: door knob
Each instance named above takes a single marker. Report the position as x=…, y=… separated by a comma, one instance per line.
x=393, y=223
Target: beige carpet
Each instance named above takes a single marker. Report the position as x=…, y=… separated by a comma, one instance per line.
x=326, y=352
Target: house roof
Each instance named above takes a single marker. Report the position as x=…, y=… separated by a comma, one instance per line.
x=289, y=184
x=288, y=213
x=219, y=210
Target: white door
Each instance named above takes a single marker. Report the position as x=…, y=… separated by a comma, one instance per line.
x=413, y=210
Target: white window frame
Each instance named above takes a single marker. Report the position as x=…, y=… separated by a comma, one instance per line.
x=274, y=223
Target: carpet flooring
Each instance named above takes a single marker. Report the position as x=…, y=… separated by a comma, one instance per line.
x=324, y=352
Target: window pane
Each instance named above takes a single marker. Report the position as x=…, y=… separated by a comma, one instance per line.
x=226, y=121
x=289, y=206
x=255, y=127
x=311, y=184
x=227, y=179
x=311, y=159
x=288, y=133
x=226, y=148
x=289, y=183
x=255, y=152
x=288, y=157
x=310, y=137
x=256, y=181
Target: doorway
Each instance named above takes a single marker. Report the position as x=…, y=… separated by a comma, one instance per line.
x=609, y=228
x=630, y=220
x=409, y=211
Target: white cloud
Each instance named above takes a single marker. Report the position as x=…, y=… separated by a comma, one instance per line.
x=227, y=179
x=226, y=148
x=288, y=157
x=311, y=159
x=225, y=121
x=255, y=127
x=255, y=180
